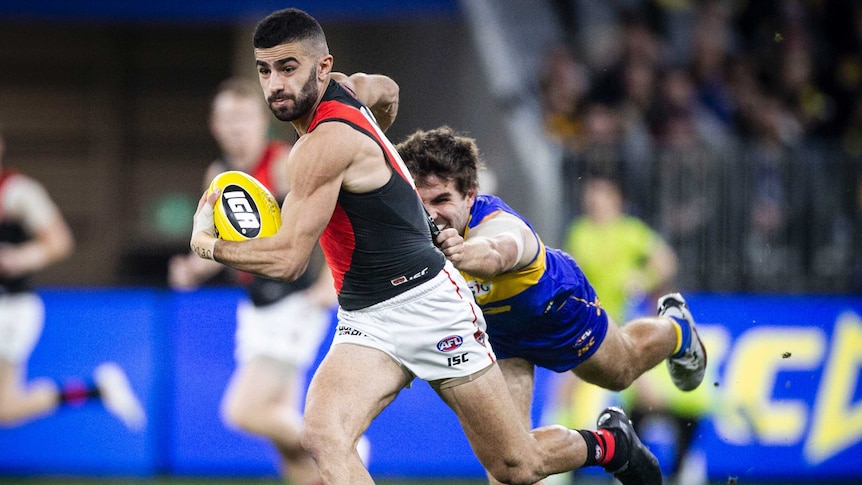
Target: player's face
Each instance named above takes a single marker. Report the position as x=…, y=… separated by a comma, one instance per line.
x=289, y=77
x=447, y=206
x=239, y=124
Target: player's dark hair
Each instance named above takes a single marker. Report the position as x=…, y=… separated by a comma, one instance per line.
x=285, y=26
x=442, y=153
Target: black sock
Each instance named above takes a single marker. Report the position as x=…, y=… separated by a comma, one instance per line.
x=605, y=447
x=76, y=393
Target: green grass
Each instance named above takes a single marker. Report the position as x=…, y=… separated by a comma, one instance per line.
x=59, y=480
x=200, y=481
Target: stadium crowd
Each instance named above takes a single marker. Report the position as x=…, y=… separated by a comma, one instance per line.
x=735, y=129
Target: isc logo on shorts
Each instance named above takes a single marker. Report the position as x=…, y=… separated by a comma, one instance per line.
x=450, y=343
x=241, y=211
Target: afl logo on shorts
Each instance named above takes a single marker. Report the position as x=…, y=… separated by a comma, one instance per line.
x=450, y=343
x=241, y=211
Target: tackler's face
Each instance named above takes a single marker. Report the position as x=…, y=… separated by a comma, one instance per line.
x=446, y=205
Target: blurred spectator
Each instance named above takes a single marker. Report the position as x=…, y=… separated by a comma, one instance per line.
x=688, y=193
x=600, y=152
x=852, y=171
x=722, y=143
x=564, y=84
x=639, y=100
x=677, y=95
x=774, y=192
x=713, y=43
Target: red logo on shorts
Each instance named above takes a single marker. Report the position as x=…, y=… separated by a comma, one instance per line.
x=480, y=337
x=450, y=343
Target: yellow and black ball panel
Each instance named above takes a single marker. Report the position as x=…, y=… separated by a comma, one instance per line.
x=245, y=209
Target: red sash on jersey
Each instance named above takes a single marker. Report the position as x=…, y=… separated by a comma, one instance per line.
x=262, y=171
x=5, y=176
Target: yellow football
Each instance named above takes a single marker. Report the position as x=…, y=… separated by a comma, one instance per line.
x=245, y=209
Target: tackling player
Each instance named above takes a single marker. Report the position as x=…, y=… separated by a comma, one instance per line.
x=540, y=308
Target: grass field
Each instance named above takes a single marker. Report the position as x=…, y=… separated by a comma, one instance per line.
x=199, y=481
x=61, y=480
x=224, y=481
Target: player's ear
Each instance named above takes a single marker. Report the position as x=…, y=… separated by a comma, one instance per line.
x=324, y=67
x=471, y=197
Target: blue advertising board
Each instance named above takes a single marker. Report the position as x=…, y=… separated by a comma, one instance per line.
x=785, y=375
x=790, y=401
x=84, y=328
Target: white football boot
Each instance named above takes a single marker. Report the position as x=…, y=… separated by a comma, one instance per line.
x=118, y=397
x=687, y=370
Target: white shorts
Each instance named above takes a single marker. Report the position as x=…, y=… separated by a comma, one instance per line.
x=22, y=317
x=436, y=331
x=289, y=330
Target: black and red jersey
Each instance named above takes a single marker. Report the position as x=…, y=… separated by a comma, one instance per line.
x=11, y=232
x=265, y=291
x=378, y=244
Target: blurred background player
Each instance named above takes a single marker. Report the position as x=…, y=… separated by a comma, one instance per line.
x=33, y=236
x=630, y=265
x=281, y=325
x=540, y=308
x=626, y=261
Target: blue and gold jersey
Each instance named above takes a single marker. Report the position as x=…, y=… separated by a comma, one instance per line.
x=546, y=312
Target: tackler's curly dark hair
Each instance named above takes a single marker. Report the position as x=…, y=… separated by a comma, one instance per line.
x=441, y=152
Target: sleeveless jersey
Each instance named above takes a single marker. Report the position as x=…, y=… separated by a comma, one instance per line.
x=264, y=291
x=546, y=312
x=378, y=243
x=11, y=232
x=263, y=170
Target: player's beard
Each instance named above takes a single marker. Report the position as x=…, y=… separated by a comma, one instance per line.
x=302, y=103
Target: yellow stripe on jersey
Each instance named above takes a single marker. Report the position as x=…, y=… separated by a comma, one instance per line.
x=506, y=285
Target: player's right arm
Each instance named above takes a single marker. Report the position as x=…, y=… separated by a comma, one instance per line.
x=499, y=244
x=318, y=166
x=52, y=239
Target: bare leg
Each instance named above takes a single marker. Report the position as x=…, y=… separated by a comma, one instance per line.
x=21, y=401
x=629, y=351
x=263, y=398
x=350, y=388
x=502, y=442
x=519, y=376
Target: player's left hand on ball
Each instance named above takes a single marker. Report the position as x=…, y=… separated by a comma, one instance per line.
x=203, y=231
x=451, y=243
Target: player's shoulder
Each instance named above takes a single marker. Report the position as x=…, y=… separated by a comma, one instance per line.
x=489, y=207
x=486, y=204
x=16, y=180
x=332, y=137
